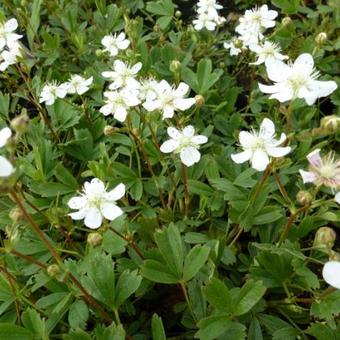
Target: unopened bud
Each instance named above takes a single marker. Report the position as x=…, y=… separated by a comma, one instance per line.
x=330, y=123
x=94, y=239
x=20, y=123
x=286, y=21
x=53, y=270
x=178, y=14
x=325, y=238
x=321, y=38
x=16, y=215
x=99, y=53
x=237, y=43
x=199, y=100
x=304, y=198
x=175, y=66
x=109, y=130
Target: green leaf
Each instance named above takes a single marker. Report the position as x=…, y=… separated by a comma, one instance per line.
x=65, y=176
x=248, y=296
x=218, y=296
x=78, y=314
x=33, y=322
x=127, y=284
x=114, y=332
x=34, y=22
x=267, y=215
x=165, y=7
x=327, y=307
x=205, y=77
x=158, y=332
x=195, y=259
x=113, y=244
x=321, y=332
x=158, y=272
x=199, y=188
x=170, y=245
x=14, y=332
x=213, y=326
x=287, y=6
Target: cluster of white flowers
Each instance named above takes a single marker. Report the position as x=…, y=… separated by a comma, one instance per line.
x=6, y=168
x=10, y=48
x=53, y=90
x=297, y=80
x=95, y=202
x=207, y=15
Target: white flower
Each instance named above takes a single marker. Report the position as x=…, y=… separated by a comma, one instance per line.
x=207, y=15
x=253, y=23
x=205, y=20
x=114, y=43
x=148, y=89
x=119, y=102
x=52, y=91
x=123, y=75
x=9, y=57
x=234, y=50
x=296, y=81
x=169, y=99
x=331, y=273
x=208, y=6
x=184, y=142
x=322, y=170
x=7, y=37
x=95, y=202
x=259, y=146
x=6, y=168
x=266, y=52
x=78, y=84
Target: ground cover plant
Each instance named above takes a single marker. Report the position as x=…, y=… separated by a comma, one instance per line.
x=169, y=169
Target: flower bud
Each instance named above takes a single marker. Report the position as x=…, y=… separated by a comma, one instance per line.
x=304, y=197
x=99, y=53
x=325, y=238
x=175, y=66
x=330, y=123
x=16, y=215
x=321, y=38
x=20, y=123
x=199, y=100
x=53, y=270
x=94, y=239
x=286, y=21
x=178, y=14
x=109, y=130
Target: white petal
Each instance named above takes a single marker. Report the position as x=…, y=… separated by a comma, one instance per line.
x=190, y=156
x=168, y=111
x=337, y=197
x=277, y=151
x=304, y=63
x=173, y=133
x=169, y=146
x=110, y=211
x=188, y=131
x=246, y=139
x=93, y=218
x=331, y=273
x=314, y=158
x=285, y=94
x=120, y=113
x=77, y=202
x=151, y=105
x=11, y=25
x=95, y=187
x=199, y=139
x=241, y=157
x=277, y=70
x=323, y=88
x=307, y=176
x=184, y=103
x=135, y=68
x=277, y=142
x=182, y=90
x=267, y=128
x=79, y=215
x=6, y=168
x=5, y=134
x=117, y=193
x=269, y=88
x=259, y=160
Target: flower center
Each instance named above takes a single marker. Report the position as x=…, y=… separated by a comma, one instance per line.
x=327, y=170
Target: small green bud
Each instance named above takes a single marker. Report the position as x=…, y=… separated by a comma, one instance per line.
x=178, y=14
x=109, y=130
x=304, y=198
x=20, y=123
x=99, y=53
x=321, y=38
x=175, y=66
x=286, y=21
x=330, y=123
x=94, y=239
x=53, y=270
x=325, y=238
x=199, y=100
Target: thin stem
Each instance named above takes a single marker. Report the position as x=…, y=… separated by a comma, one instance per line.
x=280, y=185
x=186, y=296
x=237, y=236
x=186, y=191
x=116, y=312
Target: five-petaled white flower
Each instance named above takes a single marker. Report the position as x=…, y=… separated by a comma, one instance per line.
x=119, y=102
x=123, y=75
x=78, y=84
x=296, y=81
x=322, y=170
x=95, y=202
x=207, y=15
x=331, y=273
x=170, y=99
x=6, y=168
x=266, y=52
x=184, y=142
x=52, y=91
x=259, y=146
x=7, y=37
x=253, y=23
x=114, y=43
